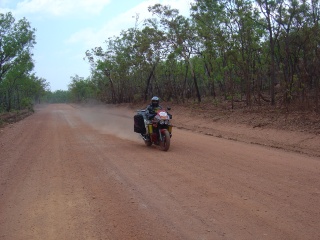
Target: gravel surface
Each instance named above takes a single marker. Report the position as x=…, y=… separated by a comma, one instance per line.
x=72, y=172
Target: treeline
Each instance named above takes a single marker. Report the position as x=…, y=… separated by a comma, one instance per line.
x=255, y=52
x=20, y=88
x=59, y=96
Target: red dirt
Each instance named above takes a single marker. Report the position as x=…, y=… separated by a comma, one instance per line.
x=71, y=172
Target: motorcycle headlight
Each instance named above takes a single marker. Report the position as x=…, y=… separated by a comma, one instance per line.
x=161, y=122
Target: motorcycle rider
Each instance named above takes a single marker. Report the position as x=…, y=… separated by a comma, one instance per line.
x=151, y=110
x=150, y=113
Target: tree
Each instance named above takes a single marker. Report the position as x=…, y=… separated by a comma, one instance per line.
x=180, y=36
x=210, y=18
x=16, y=41
x=80, y=89
x=150, y=49
x=59, y=96
x=227, y=49
x=272, y=13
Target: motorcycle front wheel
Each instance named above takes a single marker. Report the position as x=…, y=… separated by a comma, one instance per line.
x=165, y=143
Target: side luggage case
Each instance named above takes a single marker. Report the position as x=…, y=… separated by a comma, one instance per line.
x=139, y=126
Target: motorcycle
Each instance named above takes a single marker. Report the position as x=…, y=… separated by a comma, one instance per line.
x=157, y=131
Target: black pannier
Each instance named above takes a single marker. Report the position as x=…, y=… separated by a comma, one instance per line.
x=139, y=124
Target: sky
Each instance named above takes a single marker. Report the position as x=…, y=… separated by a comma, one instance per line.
x=66, y=29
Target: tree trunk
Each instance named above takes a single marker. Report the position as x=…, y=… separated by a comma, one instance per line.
x=148, y=82
x=272, y=68
x=184, y=94
x=212, y=92
x=195, y=81
x=113, y=92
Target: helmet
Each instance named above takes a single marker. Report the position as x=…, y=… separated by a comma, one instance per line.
x=155, y=101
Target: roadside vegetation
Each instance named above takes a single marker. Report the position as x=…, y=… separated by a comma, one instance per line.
x=229, y=54
x=19, y=86
x=248, y=53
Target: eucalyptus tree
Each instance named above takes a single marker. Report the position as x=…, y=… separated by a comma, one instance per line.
x=30, y=90
x=315, y=19
x=102, y=66
x=306, y=38
x=209, y=17
x=37, y=88
x=289, y=48
x=230, y=35
x=170, y=73
x=80, y=89
x=122, y=71
x=21, y=94
x=180, y=36
x=293, y=47
x=128, y=63
x=150, y=51
x=113, y=68
x=272, y=10
x=246, y=33
x=59, y=96
x=14, y=78
x=16, y=42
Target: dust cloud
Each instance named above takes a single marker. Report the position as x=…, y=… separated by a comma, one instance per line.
x=117, y=121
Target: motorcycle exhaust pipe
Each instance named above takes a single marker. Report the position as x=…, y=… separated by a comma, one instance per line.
x=143, y=137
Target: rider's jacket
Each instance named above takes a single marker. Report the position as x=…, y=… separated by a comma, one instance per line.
x=151, y=111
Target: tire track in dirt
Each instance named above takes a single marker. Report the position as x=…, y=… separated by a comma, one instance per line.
x=81, y=173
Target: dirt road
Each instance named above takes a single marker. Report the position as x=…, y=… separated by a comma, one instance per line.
x=81, y=173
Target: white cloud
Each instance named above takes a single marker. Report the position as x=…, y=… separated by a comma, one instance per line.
x=96, y=37
x=61, y=7
x=88, y=23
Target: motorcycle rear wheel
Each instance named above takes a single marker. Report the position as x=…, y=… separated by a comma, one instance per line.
x=165, y=143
